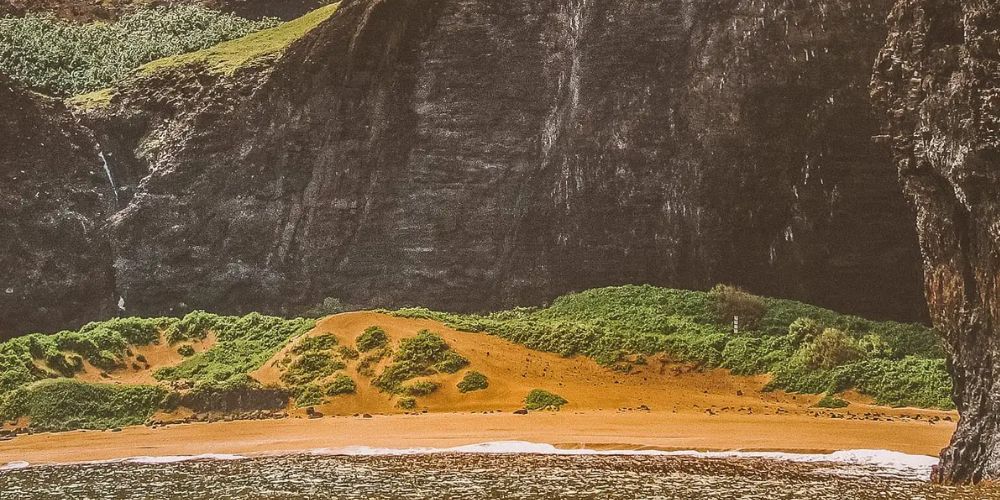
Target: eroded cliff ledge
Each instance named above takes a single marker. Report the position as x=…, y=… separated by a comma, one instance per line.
x=471, y=155
x=938, y=81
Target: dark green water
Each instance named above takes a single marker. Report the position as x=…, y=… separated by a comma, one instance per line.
x=475, y=475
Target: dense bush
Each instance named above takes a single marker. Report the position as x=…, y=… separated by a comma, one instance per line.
x=244, y=344
x=406, y=403
x=323, y=342
x=829, y=349
x=186, y=350
x=64, y=404
x=729, y=302
x=421, y=388
x=417, y=356
x=898, y=364
x=341, y=384
x=372, y=338
x=311, y=366
x=63, y=58
x=473, y=381
x=309, y=395
x=539, y=399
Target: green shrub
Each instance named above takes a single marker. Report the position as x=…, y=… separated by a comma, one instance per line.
x=831, y=401
x=473, y=381
x=309, y=395
x=341, y=384
x=418, y=356
x=323, y=342
x=539, y=399
x=311, y=366
x=829, y=349
x=729, y=301
x=244, y=345
x=347, y=352
x=406, y=403
x=63, y=404
x=372, y=338
x=185, y=350
x=392, y=378
x=64, y=58
x=804, y=330
x=421, y=388
x=451, y=362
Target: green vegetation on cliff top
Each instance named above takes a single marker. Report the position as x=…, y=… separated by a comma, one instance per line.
x=63, y=58
x=229, y=56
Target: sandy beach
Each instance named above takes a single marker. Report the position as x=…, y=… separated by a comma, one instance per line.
x=588, y=429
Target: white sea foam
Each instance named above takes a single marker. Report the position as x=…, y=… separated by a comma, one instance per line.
x=916, y=466
x=14, y=465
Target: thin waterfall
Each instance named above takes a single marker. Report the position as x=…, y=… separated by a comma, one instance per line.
x=111, y=179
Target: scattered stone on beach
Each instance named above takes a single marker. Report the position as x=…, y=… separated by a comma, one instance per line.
x=522, y=411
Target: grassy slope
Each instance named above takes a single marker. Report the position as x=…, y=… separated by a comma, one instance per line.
x=614, y=325
x=229, y=56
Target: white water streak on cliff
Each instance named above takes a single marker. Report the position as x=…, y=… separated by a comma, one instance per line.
x=111, y=178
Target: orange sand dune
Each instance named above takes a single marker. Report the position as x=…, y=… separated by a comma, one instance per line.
x=660, y=405
x=514, y=370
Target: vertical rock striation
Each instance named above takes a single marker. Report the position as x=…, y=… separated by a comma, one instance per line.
x=470, y=155
x=55, y=258
x=938, y=82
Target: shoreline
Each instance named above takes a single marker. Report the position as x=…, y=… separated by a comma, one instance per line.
x=581, y=430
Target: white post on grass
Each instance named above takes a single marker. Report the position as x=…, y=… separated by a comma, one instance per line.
x=736, y=325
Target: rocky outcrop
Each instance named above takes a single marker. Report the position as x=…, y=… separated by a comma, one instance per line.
x=938, y=80
x=55, y=259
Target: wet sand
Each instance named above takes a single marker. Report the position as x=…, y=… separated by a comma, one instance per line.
x=587, y=429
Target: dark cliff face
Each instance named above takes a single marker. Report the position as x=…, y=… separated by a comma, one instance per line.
x=54, y=200
x=471, y=155
x=938, y=79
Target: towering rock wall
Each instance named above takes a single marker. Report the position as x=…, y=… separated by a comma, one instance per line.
x=55, y=258
x=470, y=155
x=938, y=80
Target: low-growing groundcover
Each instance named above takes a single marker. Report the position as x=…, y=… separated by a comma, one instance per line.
x=63, y=58
x=540, y=399
x=36, y=369
x=808, y=349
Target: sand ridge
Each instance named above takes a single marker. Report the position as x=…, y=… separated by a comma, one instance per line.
x=513, y=370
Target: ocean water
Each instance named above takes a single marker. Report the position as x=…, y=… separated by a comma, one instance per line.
x=495, y=470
